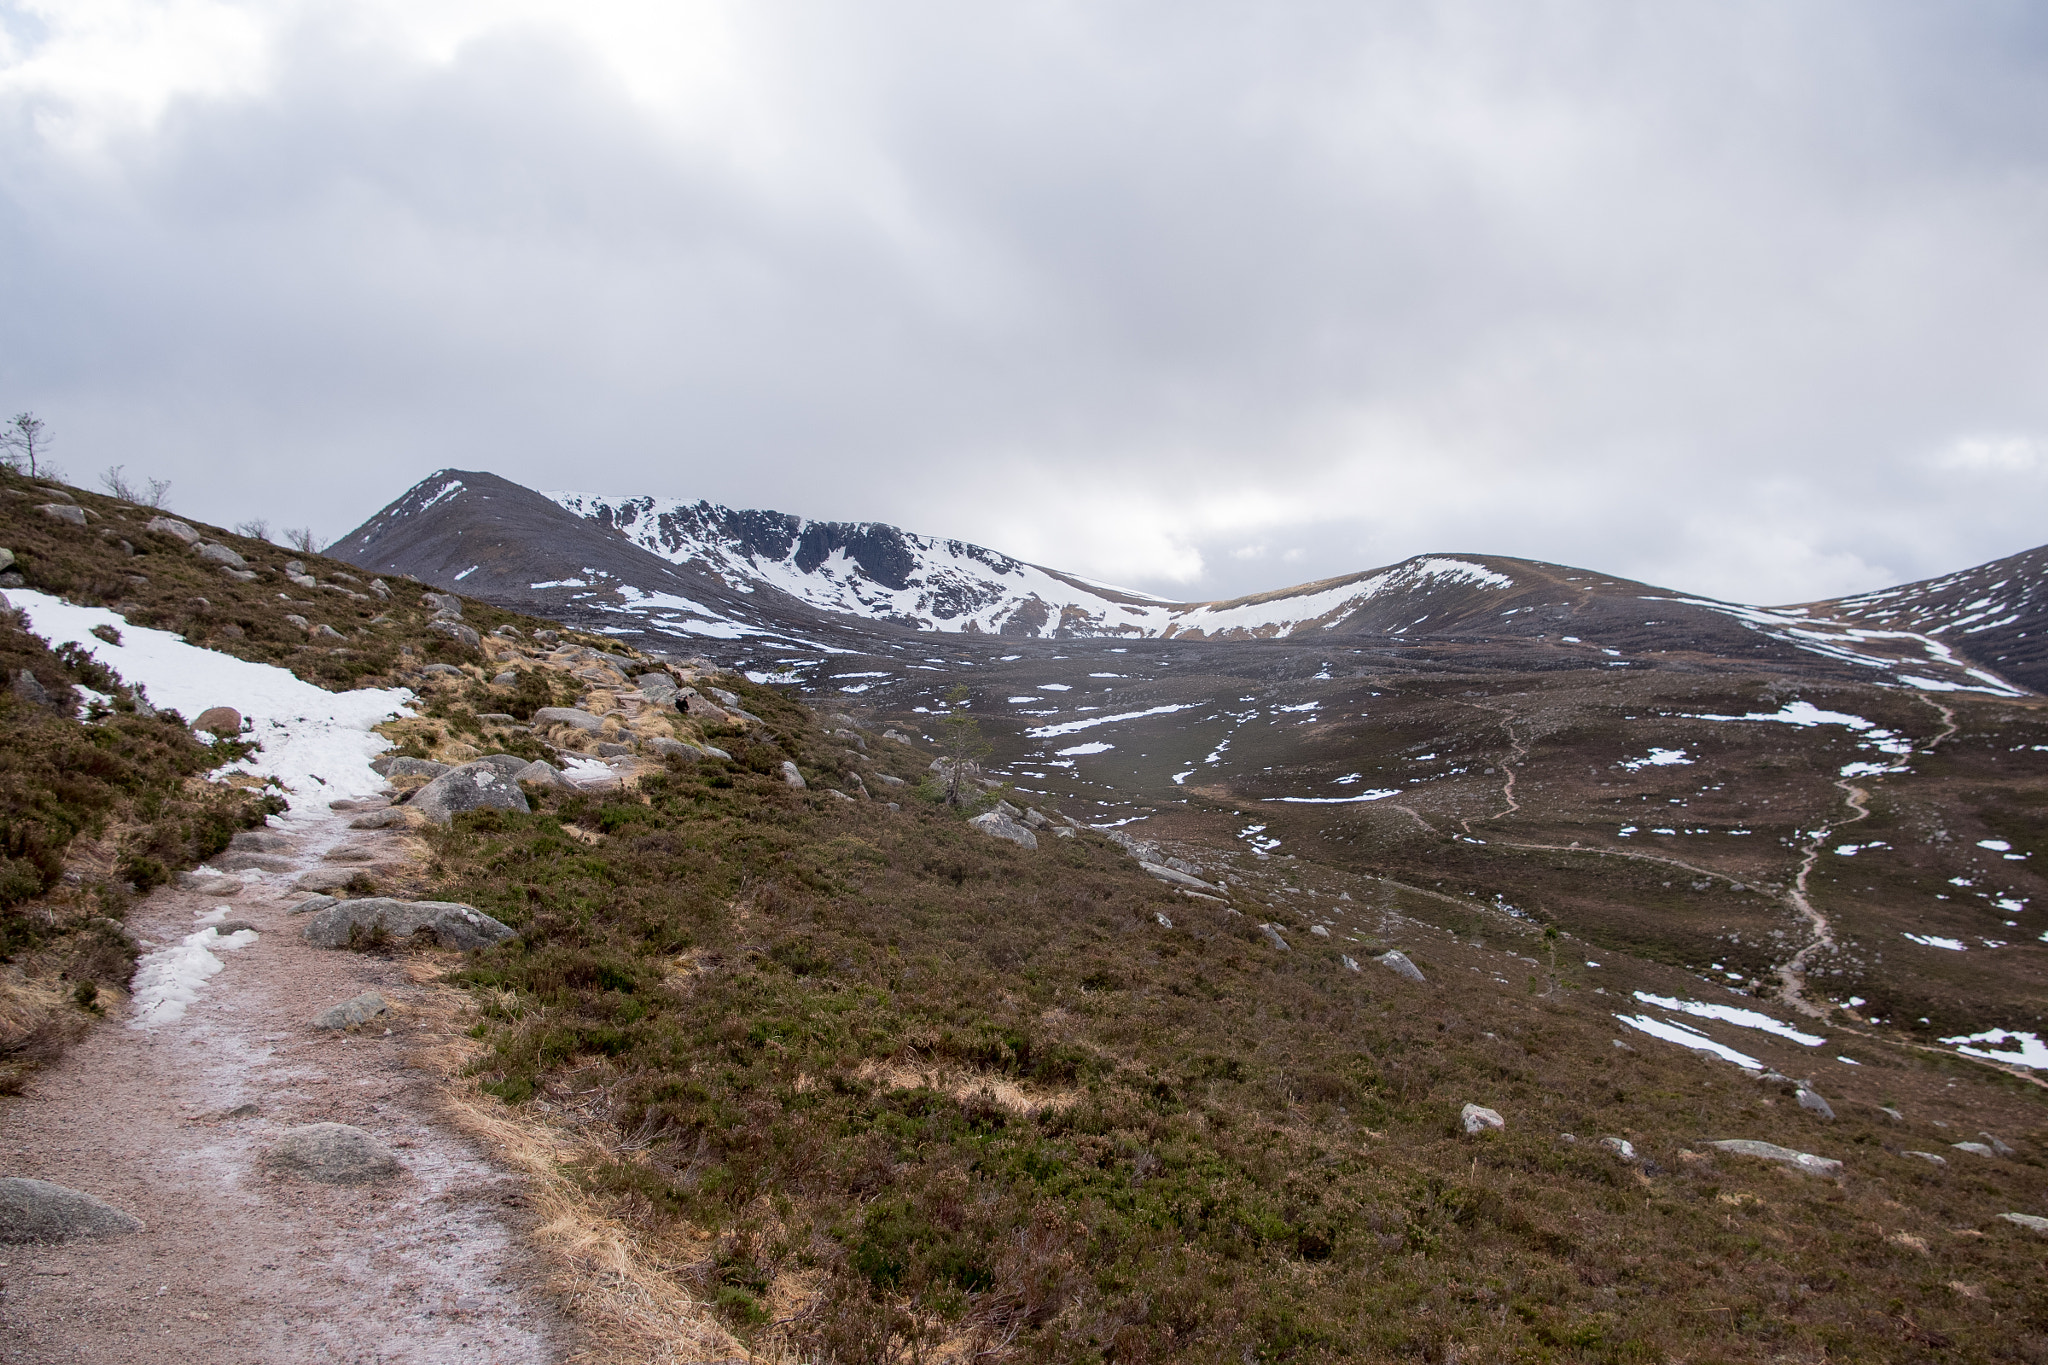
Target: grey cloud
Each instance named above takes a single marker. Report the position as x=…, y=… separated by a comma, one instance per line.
x=1701, y=294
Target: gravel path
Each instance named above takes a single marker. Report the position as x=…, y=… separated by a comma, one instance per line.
x=236, y=1263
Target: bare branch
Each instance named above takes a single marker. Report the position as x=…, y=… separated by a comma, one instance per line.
x=302, y=539
x=256, y=528
x=114, y=481
x=159, y=491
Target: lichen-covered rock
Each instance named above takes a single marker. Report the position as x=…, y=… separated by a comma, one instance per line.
x=349, y=1013
x=1771, y=1151
x=482, y=785
x=38, y=1211
x=172, y=527
x=567, y=715
x=1812, y=1101
x=213, y=552
x=1398, y=963
x=1272, y=933
x=64, y=512
x=453, y=925
x=1001, y=826
x=334, y=1154
x=1478, y=1118
x=793, y=778
x=456, y=631
x=409, y=767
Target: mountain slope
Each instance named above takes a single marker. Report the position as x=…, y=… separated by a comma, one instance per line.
x=484, y=535
x=702, y=572
x=1995, y=615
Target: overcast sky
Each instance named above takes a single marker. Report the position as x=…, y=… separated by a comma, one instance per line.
x=1748, y=299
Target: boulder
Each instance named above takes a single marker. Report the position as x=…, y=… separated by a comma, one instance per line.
x=1621, y=1147
x=1770, y=1151
x=349, y=1013
x=1350, y=963
x=311, y=905
x=260, y=841
x=443, y=604
x=379, y=588
x=1272, y=933
x=544, y=773
x=323, y=631
x=453, y=925
x=442, y=671
x=548, y=716
x=64, y=512
x=26, y=688
x=336, y=877
x=792, y=777
x=696, y=708
x=713, y=751
x=224, y=721
x=240, y=576
x=456, y=631
x=899, y=737
x=508, y=764
x=888, y=781
x=667, y=747
x=1479, y=1119
x=482, y=785
x=510, y=632
x=215, y=553
x=411, y=767
x=208, y=883
x=1811, y=1101
x=1996, y=1146
x=1931, y=1158
x=506, y=679
x=38, y=1211
x=1974, y=1149
x=1001, y=826
x=172, y=527
x=1397, y=962
x=353, y=853
x=607, y=749
x=1178, y=878
x=2032, y=1222
x=6, y=559
x=334, y=1154
x=1319, y=931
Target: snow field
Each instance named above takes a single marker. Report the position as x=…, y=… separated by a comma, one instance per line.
x=314, y=742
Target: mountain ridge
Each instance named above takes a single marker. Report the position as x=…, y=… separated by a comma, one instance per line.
x=707, y=572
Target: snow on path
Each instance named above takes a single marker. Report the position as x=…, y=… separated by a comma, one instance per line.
x=315, y=742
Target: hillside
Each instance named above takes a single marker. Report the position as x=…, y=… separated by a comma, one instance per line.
x=790, y=1060
x=1995, y=615
x=765, y=582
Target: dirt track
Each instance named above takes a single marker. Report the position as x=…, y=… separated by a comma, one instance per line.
x=235, y=1263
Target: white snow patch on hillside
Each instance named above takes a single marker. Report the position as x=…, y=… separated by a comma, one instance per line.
x=1070, y=727
x=1731, y=1014
x=315, y=742
x=2031, y=1051
x=1687, y=1037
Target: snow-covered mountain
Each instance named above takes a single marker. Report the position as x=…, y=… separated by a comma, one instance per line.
x=764, y=581
x=927, y=583
x=1996, y=613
